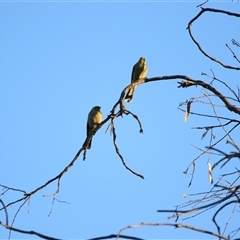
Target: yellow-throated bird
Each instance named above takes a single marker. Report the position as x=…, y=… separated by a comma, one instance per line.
x=139, y=71
x=94, y=118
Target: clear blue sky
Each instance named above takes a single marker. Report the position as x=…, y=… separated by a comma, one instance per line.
x=58, y=60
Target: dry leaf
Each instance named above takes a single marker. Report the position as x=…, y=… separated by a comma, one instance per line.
x=210, y=172
x=187, y=111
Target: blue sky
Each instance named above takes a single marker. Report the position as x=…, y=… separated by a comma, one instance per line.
x=58, y=60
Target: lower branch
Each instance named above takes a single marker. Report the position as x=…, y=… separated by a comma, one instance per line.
x=176, y=225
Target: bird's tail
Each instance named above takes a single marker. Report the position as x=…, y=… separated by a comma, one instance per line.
x=89, y=144
x=129, y=95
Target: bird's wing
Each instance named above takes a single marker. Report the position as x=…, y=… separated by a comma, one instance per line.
x=88, y=129
x=133, y=74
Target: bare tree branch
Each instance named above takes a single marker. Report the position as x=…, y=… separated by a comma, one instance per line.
x=176, y=225
x=234, y=55
x=114, y=236
x=190, y=83
x=203, y=10
x=27, y=232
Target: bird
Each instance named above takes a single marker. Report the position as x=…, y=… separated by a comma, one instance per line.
x=139, y=71
x=94, y=119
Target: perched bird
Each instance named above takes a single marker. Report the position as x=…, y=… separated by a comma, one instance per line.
x=94, y=118
x=139, y=71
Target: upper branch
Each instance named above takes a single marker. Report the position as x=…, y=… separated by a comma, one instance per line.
x=198, y=45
